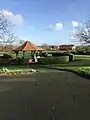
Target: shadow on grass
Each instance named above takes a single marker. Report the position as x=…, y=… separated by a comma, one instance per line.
x=77, y=72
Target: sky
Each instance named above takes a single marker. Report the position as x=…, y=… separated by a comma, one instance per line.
x=46, y=21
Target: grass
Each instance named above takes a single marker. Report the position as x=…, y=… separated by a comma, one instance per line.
x=80, y=64
x=84, y=70
x=80, y=60
x=68, y=93
x=82, y=56
x=16, y=67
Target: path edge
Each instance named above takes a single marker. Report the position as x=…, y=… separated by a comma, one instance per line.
x=81, y=74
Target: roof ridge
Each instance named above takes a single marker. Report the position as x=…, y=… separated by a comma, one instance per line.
x=33, y=46
x=28, y=46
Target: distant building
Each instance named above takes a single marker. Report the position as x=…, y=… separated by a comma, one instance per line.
x=7, y=48
x=50, y=47
x=67, y=47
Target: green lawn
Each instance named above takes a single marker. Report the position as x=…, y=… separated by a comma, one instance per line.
x=80, y=61
x=80, y=64
x=82, y=56
x=16, y=67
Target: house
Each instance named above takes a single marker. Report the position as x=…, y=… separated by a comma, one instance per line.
x=7, y=48
x=67, y=47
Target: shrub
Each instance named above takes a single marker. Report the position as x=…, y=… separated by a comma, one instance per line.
x=7, y=56
x=53, y=60
x=87, y=53
x=73, y=52
x=81, y=52
x=54, y=53
x=44, y=54
x=59, y=54
x=19, y=61
x=40, y=53
x=71, y=57
x=16, y=61
x=4, y=61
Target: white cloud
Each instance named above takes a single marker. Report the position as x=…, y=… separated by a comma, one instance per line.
x=56, y=27
x=16, y=19
x=75, y=24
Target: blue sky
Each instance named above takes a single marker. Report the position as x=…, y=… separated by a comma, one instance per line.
x=46, y=21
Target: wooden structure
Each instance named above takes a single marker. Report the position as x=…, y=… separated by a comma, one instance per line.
x=27, y=46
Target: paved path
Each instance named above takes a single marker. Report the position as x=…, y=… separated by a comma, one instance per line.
x=47, y=95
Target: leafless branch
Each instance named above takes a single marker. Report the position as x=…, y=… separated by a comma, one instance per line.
x=82, y=34
x=6, y=35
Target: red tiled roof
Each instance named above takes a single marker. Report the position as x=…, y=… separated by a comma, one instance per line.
x=28, y=46
x=7, y=48
x=67, y=45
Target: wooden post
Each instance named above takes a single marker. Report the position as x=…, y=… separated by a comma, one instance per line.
x=23, y=54
x=16, y=53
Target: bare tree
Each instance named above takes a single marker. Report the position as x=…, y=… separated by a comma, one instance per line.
x=20, y=42
x=82, y=34
x=7, y=37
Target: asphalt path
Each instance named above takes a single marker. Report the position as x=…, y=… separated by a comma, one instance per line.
x=46, y=95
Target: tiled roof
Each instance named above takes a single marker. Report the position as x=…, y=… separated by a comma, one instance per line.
x=28, y=46
x=7, y=48
x=66, y=47
x=71, y=45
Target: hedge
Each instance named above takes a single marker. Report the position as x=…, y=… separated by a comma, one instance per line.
x=18, y=61
x=7, y=56
x=80, y=53
x=54, y=54
x=59, y=54
x=53, y=60
x=4, y=61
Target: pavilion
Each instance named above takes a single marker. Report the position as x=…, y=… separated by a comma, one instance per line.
x=27, y=46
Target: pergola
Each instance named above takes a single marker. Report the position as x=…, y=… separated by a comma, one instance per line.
x=27, y=46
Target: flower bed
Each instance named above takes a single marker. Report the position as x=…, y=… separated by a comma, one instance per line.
x=6, y=72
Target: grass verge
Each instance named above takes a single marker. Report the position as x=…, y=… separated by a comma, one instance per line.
x=81, y=71
x=16, y=67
